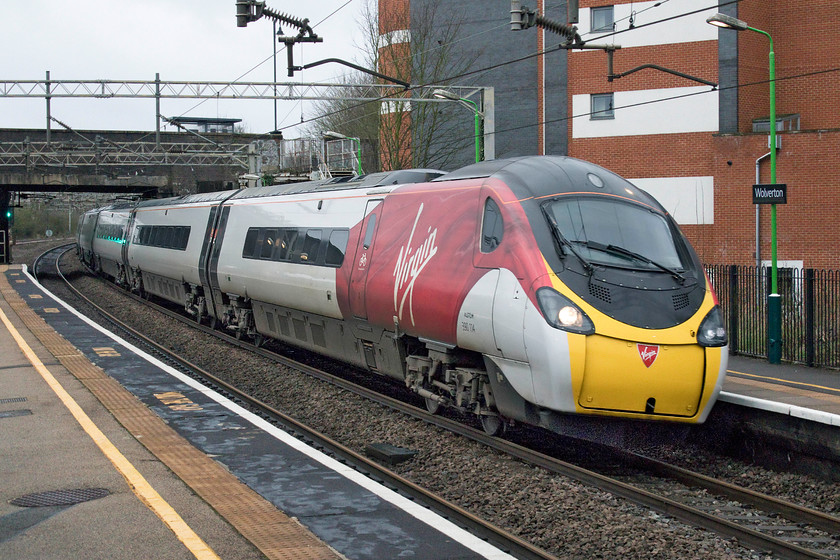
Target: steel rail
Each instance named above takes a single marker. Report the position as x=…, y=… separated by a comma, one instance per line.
x=788, y=510
x=683, y=512
x=497, y=536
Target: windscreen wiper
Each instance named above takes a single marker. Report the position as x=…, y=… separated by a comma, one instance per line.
x=638, y=256
x=560, y=241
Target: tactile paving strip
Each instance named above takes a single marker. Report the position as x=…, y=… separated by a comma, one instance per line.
x=271, y=531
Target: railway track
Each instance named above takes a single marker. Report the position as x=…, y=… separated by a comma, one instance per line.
x=756, y=520
x=497, y=536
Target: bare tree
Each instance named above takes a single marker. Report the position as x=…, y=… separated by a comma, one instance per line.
x=350, y=117
x=409, y=134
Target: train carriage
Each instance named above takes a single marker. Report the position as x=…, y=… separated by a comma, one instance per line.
x=168, y=240
x=85, y=236
x=109, y=240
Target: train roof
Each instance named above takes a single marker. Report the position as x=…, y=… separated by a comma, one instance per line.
x=530, y=177
x=380, y=179
x=540, y=177
x=383, y=178
x=187, y=199
x=478, y=170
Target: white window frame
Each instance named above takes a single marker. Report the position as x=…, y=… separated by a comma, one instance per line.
x=602, y=10
x=601, y=114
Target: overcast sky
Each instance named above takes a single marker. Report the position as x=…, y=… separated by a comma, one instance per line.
x=186, y=40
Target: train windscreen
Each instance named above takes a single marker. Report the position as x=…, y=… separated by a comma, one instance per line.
x=616, y=233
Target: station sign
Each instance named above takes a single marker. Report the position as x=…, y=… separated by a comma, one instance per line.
x=770, y=194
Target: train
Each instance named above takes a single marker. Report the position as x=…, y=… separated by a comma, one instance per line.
x=535, y=289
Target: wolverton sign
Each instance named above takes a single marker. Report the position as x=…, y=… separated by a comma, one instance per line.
x=770, y=194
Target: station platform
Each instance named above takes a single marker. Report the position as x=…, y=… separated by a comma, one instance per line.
x=109, y=453
x=811, y=394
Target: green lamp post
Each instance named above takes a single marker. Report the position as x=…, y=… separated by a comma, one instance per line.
x=774, y=302
x=473, y=106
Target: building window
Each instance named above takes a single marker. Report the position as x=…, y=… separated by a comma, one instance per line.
x=602, y=106
x=783, y=123
x=602, y=18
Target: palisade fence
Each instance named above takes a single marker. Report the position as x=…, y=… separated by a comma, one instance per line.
x=810, y=311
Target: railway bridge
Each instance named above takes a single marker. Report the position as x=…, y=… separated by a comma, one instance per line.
x=135, y=164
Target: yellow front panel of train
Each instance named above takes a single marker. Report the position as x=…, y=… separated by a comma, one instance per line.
x=624, y=376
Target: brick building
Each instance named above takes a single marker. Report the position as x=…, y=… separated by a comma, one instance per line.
x=700, y=153
x=698, y=149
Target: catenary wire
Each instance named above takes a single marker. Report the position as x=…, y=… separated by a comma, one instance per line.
x=505, y=63
x=270, y=57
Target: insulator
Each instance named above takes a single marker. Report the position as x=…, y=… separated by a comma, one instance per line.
x=568, y=31
x=300, y=24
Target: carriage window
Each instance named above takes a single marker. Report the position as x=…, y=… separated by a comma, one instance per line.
x=320, y=247
x=295, y=245
x=249, y=250
x=310, y=245
x=269, y=242
x=165, y=237
x=168, y=237
x=157, y=236
x=371, y=227
x=183, y=238
x=492, y=227
x=336, y=247
x=287, y=240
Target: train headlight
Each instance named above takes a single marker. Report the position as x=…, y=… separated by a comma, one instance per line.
x=561, y=313
x=712, y=332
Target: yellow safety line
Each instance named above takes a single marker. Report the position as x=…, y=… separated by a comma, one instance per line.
x=832, y=389
x=139, y=485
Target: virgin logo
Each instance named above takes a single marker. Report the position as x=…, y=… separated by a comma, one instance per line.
x=647, y=353
x=411, y=262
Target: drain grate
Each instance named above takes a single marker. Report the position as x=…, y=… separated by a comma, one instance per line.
x=13, y=413
x=13, y=400
x=60, y=497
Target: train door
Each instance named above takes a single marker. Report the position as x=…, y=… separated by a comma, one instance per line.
x=126, y=241
x=208, y=259
x=126, y=237
x=364, y=252
x=496, y=251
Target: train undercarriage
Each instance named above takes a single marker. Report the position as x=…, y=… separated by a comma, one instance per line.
x=445, y=376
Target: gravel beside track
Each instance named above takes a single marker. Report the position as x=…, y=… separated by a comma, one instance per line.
x=566, y=518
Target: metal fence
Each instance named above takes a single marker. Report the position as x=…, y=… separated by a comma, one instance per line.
x=810, y=311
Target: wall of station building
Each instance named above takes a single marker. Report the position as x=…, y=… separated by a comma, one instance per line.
x=675, y=149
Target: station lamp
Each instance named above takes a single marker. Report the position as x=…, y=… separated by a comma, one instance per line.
x=774, y=304
x=472, y=106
